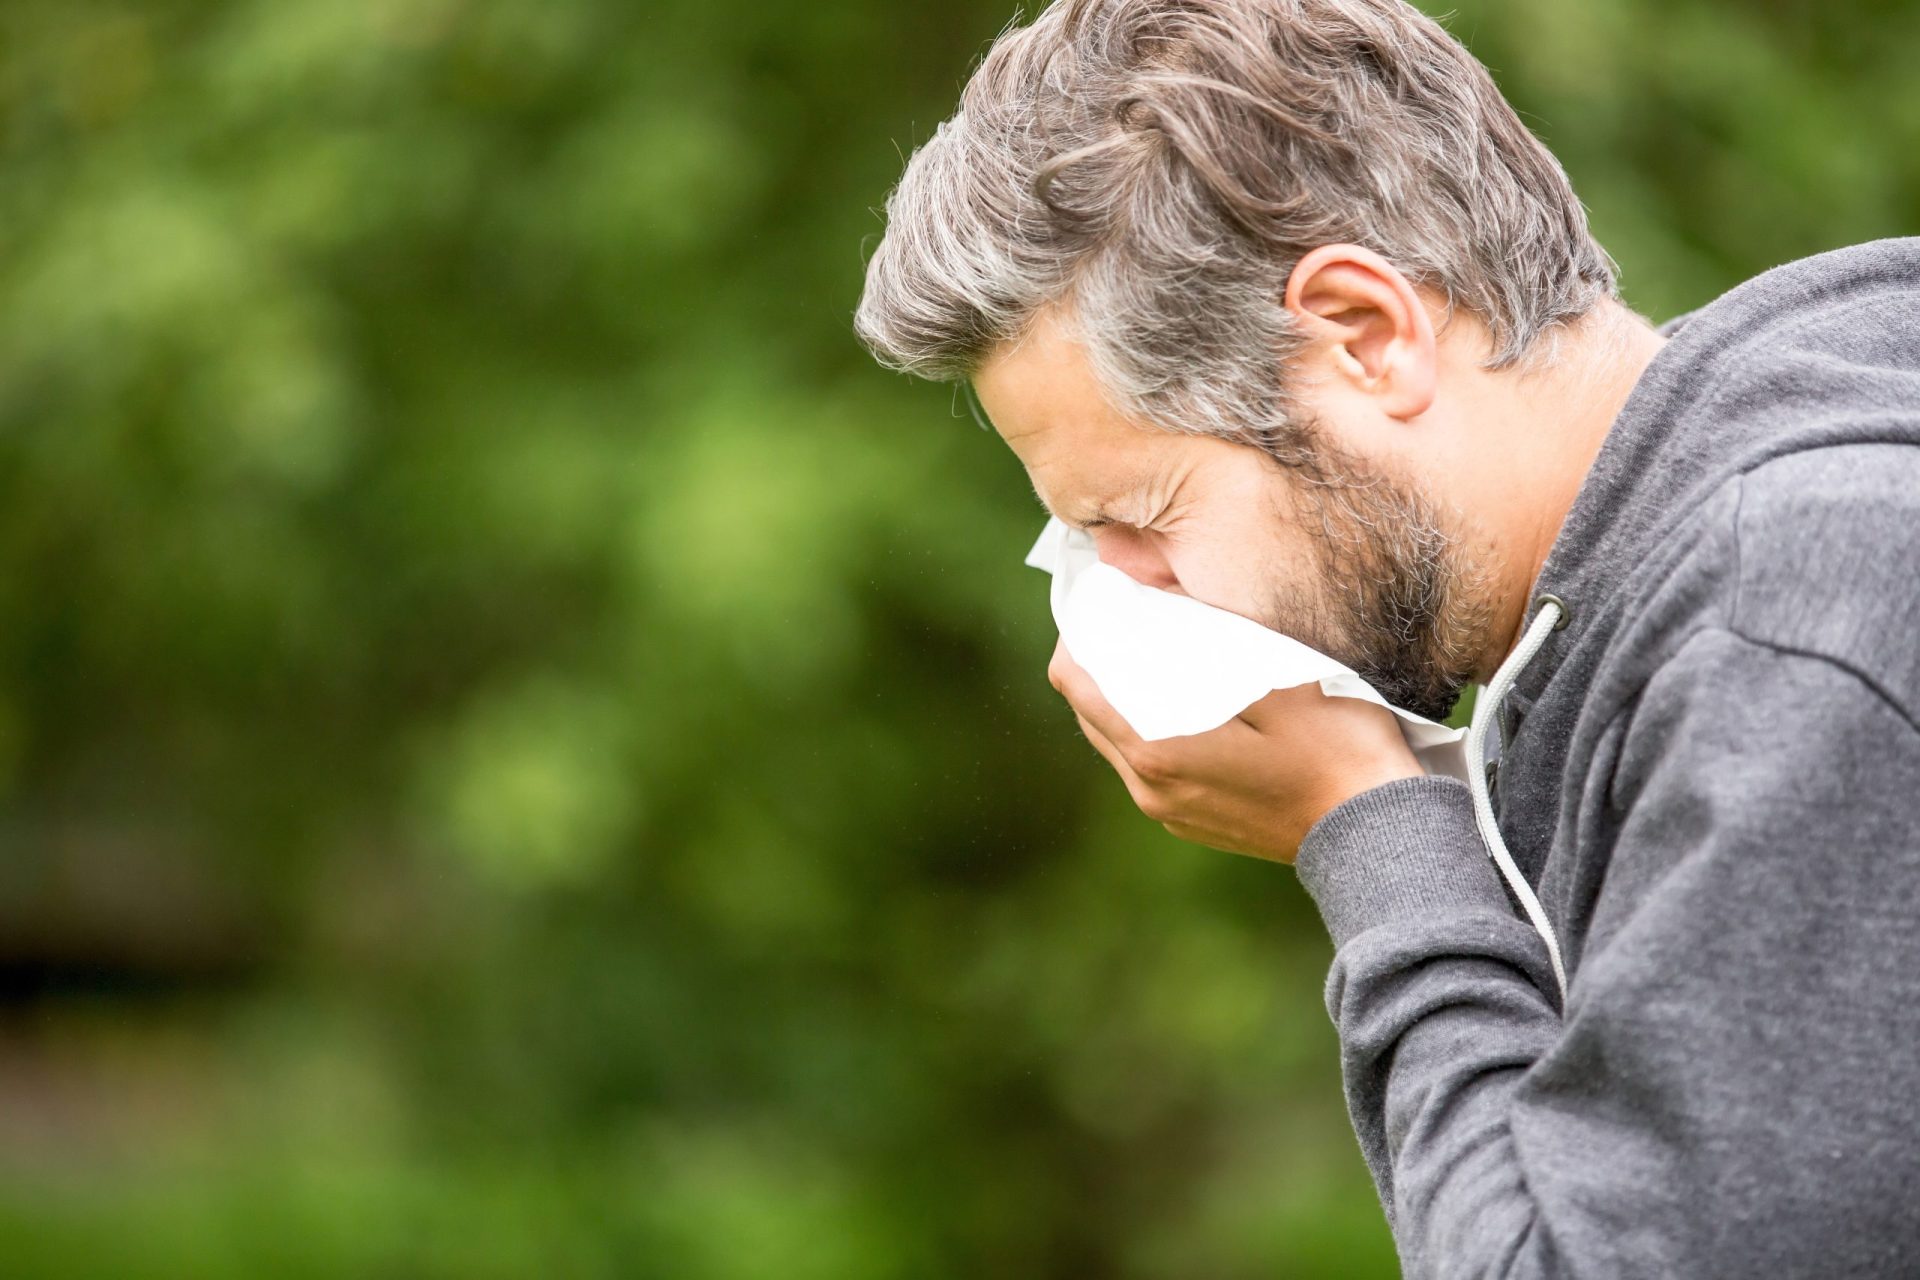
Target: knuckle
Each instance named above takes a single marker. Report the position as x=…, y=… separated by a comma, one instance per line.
x=1152, y=764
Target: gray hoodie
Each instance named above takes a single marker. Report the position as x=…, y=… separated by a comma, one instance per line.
x=1711, y=777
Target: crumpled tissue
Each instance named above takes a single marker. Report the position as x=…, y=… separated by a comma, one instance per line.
x=1171, y=665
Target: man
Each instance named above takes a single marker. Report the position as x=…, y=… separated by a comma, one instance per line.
x=1280, y=300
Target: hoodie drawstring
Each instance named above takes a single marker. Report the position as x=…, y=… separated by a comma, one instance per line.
x=1552, y=616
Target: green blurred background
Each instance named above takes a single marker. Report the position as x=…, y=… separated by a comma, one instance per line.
x=523, y=753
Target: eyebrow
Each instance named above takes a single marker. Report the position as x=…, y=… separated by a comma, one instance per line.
x=1102, y=511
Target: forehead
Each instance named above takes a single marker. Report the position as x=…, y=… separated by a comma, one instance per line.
x=1044, y=401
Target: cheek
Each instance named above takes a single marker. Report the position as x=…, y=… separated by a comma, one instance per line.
x=1217, y=574
x=1234, y=540
x=1248, y=575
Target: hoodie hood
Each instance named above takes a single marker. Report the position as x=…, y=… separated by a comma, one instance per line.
x=1755, y=374
x=1823, y=351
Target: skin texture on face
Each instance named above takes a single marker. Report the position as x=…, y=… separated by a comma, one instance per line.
x=1338, y=551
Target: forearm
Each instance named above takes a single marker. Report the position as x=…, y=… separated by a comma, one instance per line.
x=1732, y=1090
x=1439, y=994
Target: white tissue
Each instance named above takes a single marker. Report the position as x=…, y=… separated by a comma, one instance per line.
x=1171, y=665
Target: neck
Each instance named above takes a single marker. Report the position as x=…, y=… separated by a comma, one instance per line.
x=1578, y=390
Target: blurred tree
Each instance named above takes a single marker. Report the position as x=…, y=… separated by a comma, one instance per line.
x=522, y=753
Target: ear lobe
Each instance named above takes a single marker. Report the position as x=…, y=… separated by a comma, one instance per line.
x=1378, y=333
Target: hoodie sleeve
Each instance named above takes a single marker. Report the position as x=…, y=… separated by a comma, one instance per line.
x=1730, y=1090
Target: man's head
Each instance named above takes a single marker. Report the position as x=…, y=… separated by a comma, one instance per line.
x=1277, y=261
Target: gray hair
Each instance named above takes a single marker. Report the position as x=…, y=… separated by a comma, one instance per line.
x=1157, y=167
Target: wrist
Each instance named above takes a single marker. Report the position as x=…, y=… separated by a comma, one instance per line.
x=1358, y=783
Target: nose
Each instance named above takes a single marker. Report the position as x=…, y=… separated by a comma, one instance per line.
x=1134, y=553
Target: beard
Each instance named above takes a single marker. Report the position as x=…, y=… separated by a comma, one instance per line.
x=1403, y=600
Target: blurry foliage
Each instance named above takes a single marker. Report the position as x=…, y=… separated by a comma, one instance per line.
x=522, y=753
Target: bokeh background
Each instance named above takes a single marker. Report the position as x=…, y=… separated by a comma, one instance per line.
x=523, y=753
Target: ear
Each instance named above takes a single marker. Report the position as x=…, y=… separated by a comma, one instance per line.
x=1365, y=316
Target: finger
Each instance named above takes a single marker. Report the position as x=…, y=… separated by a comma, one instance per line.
x=1354, y=726
x=1111, y=754
x=1069, y=678
x=1137, y=787
x=1280, y=705
x=1073, y=682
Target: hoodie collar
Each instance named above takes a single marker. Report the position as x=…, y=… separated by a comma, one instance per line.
x=1625, y=484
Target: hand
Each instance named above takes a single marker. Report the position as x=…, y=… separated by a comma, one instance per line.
x=1258, y=783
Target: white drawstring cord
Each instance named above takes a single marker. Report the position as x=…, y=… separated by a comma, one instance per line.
x=1552, y=615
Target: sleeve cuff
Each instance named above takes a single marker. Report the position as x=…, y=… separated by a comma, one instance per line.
x=1406, y=849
